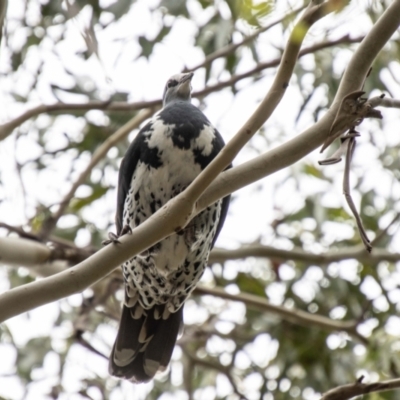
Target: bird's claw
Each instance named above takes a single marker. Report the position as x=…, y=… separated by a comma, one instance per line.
x=126, y=230
x=113, y=238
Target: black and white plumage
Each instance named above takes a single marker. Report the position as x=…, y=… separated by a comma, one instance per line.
x=164, y=158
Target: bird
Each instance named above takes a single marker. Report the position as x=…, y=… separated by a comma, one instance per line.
x=167, y=154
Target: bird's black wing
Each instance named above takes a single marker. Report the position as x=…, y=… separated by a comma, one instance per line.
x=226, y=200
x=138, y=151
x=217, y=145
x=224, y=213
x=128, y=165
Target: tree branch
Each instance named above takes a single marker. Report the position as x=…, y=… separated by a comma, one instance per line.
x=273, y=63
x=265, y=108
x=295, y=149
x=31, y=253
x=384, y=102
x=3, y=12
x=297, y=254
x=295, y=316
x=17, y=251
x=207, y=365
x=122, y=132
x=231, y=48
x=7, y=128
x=358, y=388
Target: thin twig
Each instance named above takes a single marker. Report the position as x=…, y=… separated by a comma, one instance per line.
x=227, y=371
x=273, y=63
x=83, y=342
x=358, y=388
x=359, y=252
x=337, y=155
x=295, y=316
x=7, y=128
x=188, y=372
x=3, y=12
x=347, y=194
x=380, y=101
x=121, y=133
x=384, y=231
x=231, y=48
x=20, y=231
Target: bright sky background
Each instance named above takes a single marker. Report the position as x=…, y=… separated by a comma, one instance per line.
x=119, y=70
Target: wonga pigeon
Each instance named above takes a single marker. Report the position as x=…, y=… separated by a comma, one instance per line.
x=164, y=158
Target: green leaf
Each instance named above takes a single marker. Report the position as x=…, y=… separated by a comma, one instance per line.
x=31, y=356
x=248, y=284
x=175, y=7
x=78, y=203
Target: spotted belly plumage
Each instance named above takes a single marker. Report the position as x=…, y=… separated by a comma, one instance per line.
x=165, y=157
x=166, y=273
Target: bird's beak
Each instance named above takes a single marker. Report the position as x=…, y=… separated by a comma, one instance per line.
x=184, y=84
x=186, y=78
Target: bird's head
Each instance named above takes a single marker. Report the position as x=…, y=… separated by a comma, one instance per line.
x=178, y=88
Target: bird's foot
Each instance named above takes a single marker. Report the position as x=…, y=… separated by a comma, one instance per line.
x=126, y=230
x=113, y=238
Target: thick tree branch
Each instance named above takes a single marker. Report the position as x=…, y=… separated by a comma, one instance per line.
x=178, y=211
x=61, y=249
x=27, y=253
x=44, y=261
x=356, y=252
x=358, y=388
x=295, y=149
x=31, y=253
x=24, y=252
x=295, y=316
x=265, y=109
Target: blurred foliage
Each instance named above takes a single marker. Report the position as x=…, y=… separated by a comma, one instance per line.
x=230, y=352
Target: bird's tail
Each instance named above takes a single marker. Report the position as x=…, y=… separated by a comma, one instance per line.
x=145, y=341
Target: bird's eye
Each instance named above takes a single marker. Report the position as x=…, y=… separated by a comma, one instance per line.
x=172, y=83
